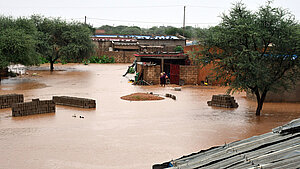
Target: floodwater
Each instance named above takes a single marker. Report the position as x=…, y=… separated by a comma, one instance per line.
x=120, y=134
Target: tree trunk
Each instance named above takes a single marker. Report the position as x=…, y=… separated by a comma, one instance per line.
x=51, y=66
x=260, y=101
x=259, y=107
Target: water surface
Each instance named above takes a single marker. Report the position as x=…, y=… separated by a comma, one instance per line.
x=119, y=133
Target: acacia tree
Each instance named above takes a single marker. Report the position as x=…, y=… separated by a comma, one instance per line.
x=61, y=40
x=17, y=42
x=256, y=52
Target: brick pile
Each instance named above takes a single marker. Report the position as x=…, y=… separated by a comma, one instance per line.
x=6, y=101
x=74, y=102
x=225, y=101
x=189, y=74
x=34, y=107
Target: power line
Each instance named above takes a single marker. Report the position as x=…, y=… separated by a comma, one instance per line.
x=110, y=7
x=217, y=7
x=146, y=21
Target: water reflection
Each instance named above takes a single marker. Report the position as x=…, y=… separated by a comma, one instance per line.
x=122, y=134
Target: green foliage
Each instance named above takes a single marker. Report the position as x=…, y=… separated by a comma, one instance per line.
x=17, y=42
x=102, y=59
x=134, y=30
x=131, y=70
x=190, y=32
x=59, y=40
x=43, y=60
x=254, y=51
x=179, y=49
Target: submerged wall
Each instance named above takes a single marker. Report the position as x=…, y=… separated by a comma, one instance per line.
x=6, y=101
x=281, y=96
x=74, y=101
x=34, y=107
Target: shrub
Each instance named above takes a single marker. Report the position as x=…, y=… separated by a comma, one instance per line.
x=102, y=59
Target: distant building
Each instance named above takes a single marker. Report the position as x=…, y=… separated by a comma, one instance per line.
x=99, y=31
x=122, y=47
x=145, y=43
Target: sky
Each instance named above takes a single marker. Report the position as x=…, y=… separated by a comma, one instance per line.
x=142, y=13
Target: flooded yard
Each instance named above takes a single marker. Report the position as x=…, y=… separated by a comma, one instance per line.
x=119, y=133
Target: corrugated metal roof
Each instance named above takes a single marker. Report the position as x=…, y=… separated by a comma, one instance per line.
x=136, y=36
x=277, y=149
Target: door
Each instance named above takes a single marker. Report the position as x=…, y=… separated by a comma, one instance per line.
x=174, y=74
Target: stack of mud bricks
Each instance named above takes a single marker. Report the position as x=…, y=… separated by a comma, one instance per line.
x=34, y=107
x=189, y=74
x=223, y=101
x=74, y=102
x=6, y=101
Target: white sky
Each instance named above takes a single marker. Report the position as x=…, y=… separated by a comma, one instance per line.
x=143, y=13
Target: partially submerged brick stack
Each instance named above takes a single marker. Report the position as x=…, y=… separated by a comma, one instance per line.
x=34, y=107
x=6, y=101
x=74, y=102
x=223, y=101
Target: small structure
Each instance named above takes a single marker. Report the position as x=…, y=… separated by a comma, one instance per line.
x=174, y=64
x=276, y=149
x=74, y=102
x=6, y=101
x=18, y=69
x=226, y=101
x=34, y=107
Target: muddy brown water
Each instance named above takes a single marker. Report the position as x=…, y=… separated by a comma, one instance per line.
x=120, y=134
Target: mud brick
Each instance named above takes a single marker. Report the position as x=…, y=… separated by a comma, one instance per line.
x=6, y=101
x=34, y=107
x=225, y=101
x=74, y=101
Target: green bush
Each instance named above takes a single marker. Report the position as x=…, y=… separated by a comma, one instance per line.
x=179, y=49
x=43, y=60
x=102, y=59
x=131, y=70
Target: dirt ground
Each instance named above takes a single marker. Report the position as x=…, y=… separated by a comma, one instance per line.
x=141, y=97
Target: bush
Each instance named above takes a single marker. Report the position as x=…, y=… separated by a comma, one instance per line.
x=179, y=49
x=102, y=59
x=43, y=60
x=131, y=70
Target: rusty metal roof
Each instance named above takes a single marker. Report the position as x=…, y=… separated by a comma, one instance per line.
x=277, y=149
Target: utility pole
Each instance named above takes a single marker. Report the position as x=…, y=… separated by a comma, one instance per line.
x=85, y=20
x=183, y=20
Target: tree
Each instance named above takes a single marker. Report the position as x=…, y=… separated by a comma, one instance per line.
x=255, y=51
x=17, y=42
x=61, y=40
x=133, y=30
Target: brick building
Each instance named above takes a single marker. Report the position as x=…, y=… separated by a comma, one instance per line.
x=122, y=47
x=175, y=65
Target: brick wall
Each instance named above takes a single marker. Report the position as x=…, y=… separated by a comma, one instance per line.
x=74, y=101
x=152, y=74
x=120, y=56
x=7, y=101
x=34, y=107
x=281, y=96
x=189, y=74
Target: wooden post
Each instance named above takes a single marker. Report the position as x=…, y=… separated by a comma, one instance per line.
x=162, y=64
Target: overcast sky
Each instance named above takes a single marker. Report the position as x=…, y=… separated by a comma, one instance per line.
x=143, y=13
